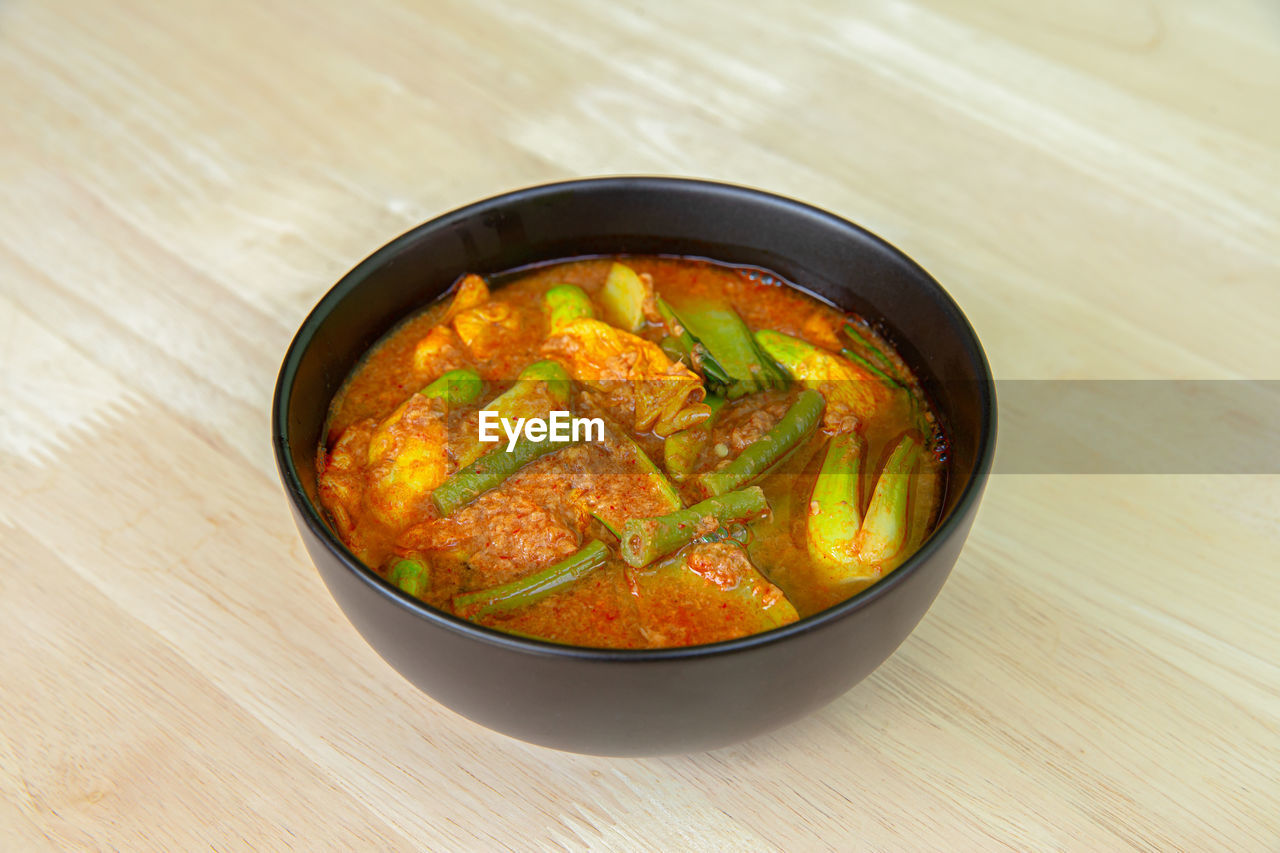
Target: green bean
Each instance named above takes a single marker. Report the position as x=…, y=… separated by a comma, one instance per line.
x=457, y=387
x=796, y=425
x=884, y=529
x=533, y=588
x=681, y=449
x=857, y=337
x=646, y=539
x=489, y=472
x=870, y=368
x=564, y=303
x=412, y=576
x=834, y=517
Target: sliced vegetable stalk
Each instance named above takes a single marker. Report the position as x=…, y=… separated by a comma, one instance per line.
x=489, y=472
x=681, y=450
x=707, y=593
x=796, y=425
x=849, y=388
x=845, y=549
x=681, y=346
x=564, y=303
x=410, y=575
x=646, y=539
x=623, y=297
x=714, y=324
x=540, y=387
x=927, y=489
x=533, y=588
x=884, y=529
x=834, y=516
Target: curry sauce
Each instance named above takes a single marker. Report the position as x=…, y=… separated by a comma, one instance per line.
x=807, y=449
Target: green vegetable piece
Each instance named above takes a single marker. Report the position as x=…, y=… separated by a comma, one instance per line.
x=564, y=303
x=671, y=594
x=870, y=368
x=796, y=355
x=672, y=348
x=847, y=386
x=623, y=298
x=646, y=539
x=884, y=529
x=533, y=588
x=412, y=576
x=522, y=400
x=858, y=338
x=717, y=327
x=457, y=387
x=489, y=472
x=682, y=347
x=681, y=449
x=834, y=517
x=923, y=504
x=789, y=433
x=550, y=372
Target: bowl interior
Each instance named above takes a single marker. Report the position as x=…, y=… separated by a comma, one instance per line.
x=822, y=254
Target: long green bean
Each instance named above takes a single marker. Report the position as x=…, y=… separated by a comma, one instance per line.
x=857, y=337
x=646, y=539
x=796, y=425
x=870, y=368
x=533, y=588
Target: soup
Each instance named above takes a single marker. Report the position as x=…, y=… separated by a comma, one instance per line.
x=632, y=452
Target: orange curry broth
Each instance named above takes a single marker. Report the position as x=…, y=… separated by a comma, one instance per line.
x=522, y=518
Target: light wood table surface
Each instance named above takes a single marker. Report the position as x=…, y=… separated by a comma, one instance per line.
x=1095, y=182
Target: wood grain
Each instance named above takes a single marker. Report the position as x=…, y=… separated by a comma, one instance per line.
x=1094, y=182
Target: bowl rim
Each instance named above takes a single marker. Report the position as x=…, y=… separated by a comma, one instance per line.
x=748, y=195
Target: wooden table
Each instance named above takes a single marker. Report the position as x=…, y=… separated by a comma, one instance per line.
x=1096, y=184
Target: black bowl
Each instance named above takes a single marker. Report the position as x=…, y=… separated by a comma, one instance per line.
x=612, y=702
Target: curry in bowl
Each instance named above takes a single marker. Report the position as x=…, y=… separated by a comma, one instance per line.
x=632, y=452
